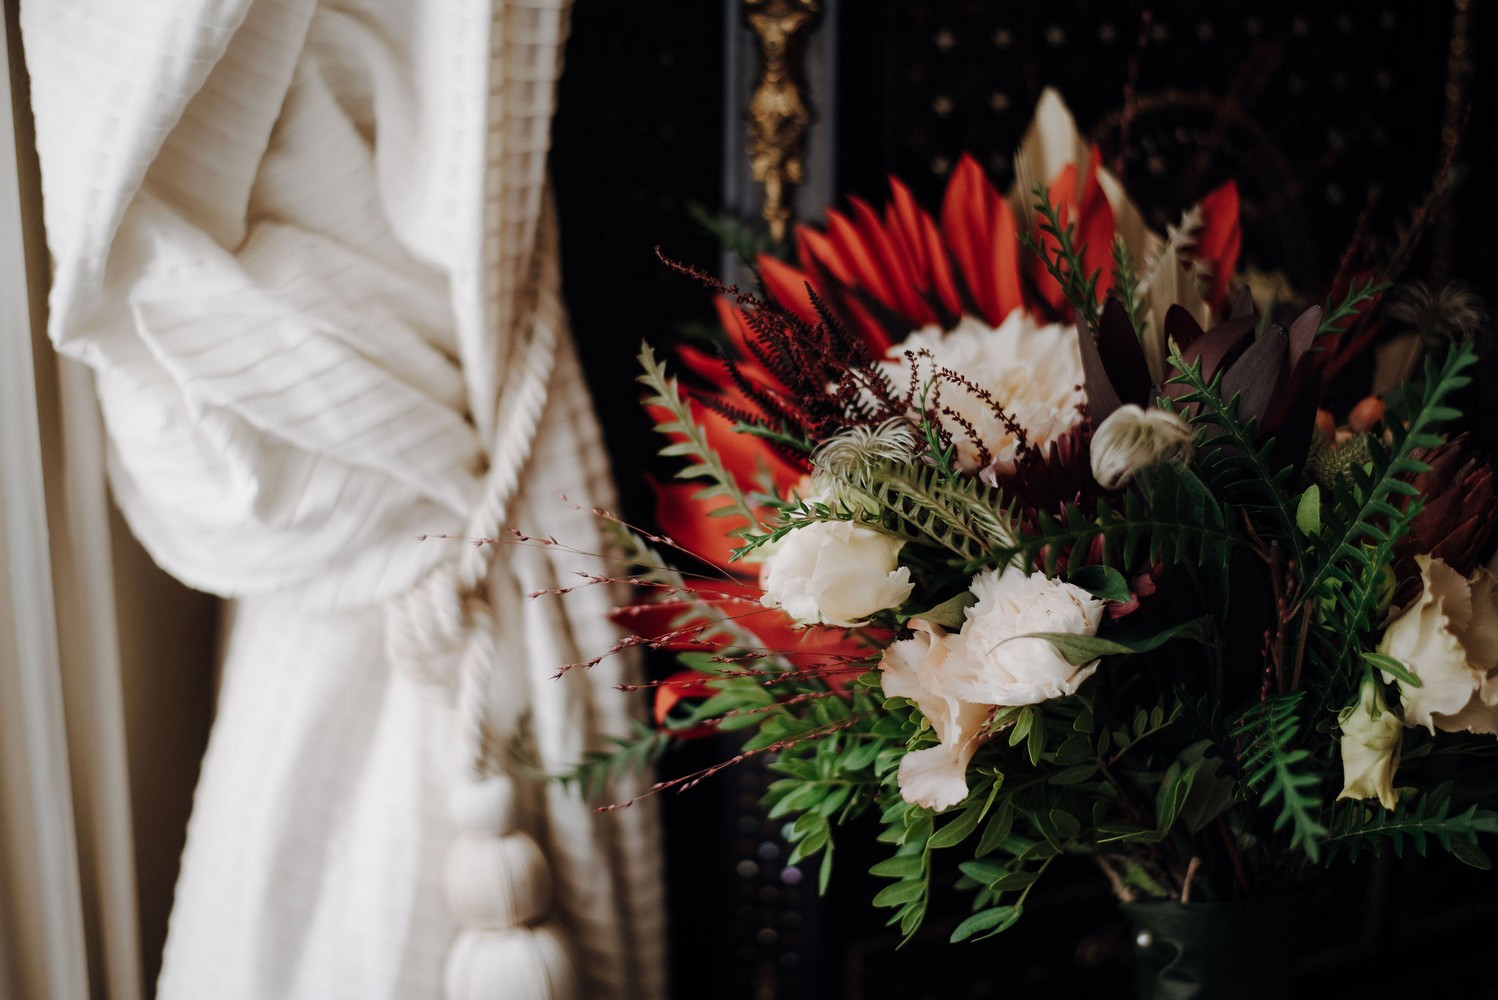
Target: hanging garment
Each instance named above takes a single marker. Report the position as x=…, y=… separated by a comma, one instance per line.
x=308, y=251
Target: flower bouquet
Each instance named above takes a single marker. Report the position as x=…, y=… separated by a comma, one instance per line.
x=1016, y=530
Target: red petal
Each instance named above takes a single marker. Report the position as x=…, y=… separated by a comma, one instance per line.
x=895, y=261
x=924, y=247
x=787, y=287
x=980, y=231
x=1005, y=263
x=688, y=522
x=680, y=685
x=902, y=217
x=1220, y=239
x=861, y=259
x=817, y=252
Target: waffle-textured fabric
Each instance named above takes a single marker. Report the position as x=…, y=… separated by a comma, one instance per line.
x=303, y=246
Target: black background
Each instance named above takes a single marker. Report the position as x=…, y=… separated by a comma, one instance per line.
x=1321, y=111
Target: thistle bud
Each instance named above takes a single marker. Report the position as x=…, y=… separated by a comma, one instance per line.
x=1132, y=439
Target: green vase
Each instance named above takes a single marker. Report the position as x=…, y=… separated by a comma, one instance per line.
x=1215, y=951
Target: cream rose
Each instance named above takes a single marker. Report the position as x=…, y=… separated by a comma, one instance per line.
x=834, y=573
x=1372, y=736
x=991, y=665
x=1132, y=439
x=1449, y=639
x=1033, y=371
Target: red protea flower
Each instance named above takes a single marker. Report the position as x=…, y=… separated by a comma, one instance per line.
x=805, y=359
x=1456, y=519
x=884, y=276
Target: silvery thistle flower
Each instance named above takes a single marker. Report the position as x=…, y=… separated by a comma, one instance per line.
x=1132, y=439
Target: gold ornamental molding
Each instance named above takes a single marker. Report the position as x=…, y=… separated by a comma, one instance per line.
x=778, y=113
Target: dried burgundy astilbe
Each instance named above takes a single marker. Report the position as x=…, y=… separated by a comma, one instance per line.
x=807, y=379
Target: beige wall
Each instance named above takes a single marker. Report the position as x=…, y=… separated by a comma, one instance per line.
x=167, y=651
x=115, y=612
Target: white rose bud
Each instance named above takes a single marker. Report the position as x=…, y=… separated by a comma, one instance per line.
x=1449, y=639
x=989, y=665
x=834, y=573
x=1132, y=439
x=1371, y=740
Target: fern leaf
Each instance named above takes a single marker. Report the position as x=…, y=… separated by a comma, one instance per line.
x=1271, y=763
x=1173, y=518
x=689, y=440
x=1417, y=820
x=1231, y=462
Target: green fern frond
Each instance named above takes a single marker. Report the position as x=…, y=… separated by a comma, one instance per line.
x=1066, y=264
x=1126, y=285
x=1418, y=819
x=1347, y=566
x=1172, y=519
x=632, y=754
x=1362, y=509
x=689, y=441
x=913, y=501
x=1272, y=764
x=1230, y=461
x=1331, y=321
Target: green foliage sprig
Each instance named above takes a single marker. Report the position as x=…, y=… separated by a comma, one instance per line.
x=1276, y=767
x=702, y=461
x=1232, y=464
x=1065, y=264
x=1418, y=819
x=1347, y=565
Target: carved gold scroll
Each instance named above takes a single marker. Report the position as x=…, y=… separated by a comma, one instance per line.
x=778, y=113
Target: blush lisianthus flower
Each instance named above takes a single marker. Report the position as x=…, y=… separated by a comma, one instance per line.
x=1033, y=371
x=835, y=573
x=1372, y=736
x=1133, y=438
x=958, y=679
x=1448, y=638
x=935, y=777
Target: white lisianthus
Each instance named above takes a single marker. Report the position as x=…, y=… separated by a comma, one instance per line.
x=1449, y=639
x=991, y=665
x=935, y=777
x=1034, y=372
x=834, y=573
x=1372, y=736
x=1132, y=439
x=957, y=679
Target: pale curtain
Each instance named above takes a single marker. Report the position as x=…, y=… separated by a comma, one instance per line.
x=307, y=249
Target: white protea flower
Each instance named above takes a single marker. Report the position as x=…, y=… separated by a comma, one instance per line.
x=1132, y=439
x=1033, y=371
